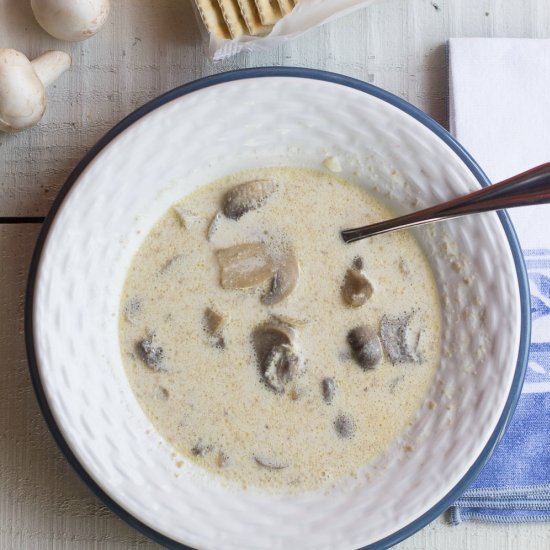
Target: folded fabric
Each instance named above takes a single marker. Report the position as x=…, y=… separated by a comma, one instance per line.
x=500, y=112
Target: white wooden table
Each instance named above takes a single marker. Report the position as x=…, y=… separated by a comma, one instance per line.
x=146, y=48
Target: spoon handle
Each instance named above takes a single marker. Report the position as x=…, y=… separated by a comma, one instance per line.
x=528, y=188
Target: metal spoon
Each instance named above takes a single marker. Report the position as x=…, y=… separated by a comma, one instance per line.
x=529, y=188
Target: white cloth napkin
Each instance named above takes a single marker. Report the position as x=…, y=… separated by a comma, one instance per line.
x=500, y=112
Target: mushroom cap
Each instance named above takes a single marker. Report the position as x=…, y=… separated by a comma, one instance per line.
x=22, y=97
x=71, y=20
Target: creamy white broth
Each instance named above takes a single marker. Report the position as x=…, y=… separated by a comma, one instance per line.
x=210, y=402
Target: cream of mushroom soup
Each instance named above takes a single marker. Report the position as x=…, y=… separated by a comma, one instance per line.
x=265, y=349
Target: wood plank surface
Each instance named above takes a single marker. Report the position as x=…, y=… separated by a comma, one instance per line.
x=146, y=48
x=150, y=46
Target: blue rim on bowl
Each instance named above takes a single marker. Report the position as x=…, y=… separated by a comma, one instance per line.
x=521, y=365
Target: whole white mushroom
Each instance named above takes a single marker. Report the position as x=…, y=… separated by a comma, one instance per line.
x=71, y=20
x=22, y=86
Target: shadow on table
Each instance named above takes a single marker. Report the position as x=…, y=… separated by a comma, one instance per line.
x=42, y=500
x=435, y=88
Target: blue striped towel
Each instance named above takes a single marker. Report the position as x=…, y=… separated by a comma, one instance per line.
x=514, y=486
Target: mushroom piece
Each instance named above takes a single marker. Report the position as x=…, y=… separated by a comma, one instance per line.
x=214, y=321
x=356, y=289
x=345, y=426
x=213, y=324
x=161, y=393
x=269, y=464
x=366, y=346
x=394, y=333
x=284, y=280
x=270, y=334
x=247, y=196
x=71, y=20
x=22, y=86
x=151, y=355
x=279, y=362
x=281, y=366
x=292, y=322
x=244, y=265
x=328, y=387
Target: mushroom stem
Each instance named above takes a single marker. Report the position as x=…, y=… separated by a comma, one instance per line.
x=22, y=84
x=51, y=65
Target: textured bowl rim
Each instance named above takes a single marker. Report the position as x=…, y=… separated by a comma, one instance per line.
x=341, y=80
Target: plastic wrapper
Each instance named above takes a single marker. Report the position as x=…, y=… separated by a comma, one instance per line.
x=306, y=15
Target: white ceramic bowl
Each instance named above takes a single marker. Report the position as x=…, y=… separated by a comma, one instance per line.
x=190, y=137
